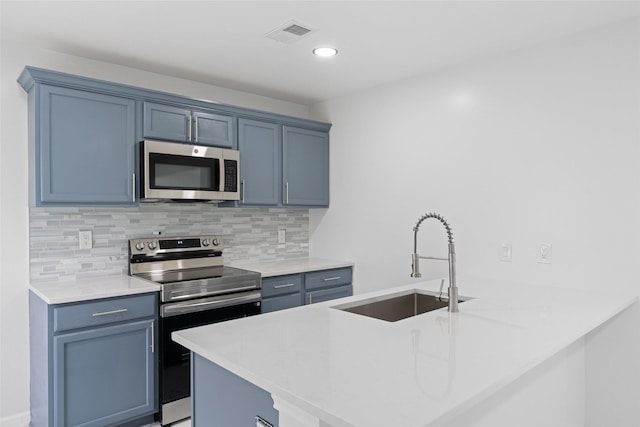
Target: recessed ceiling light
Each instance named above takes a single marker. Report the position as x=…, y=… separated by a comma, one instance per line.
x=325, y=51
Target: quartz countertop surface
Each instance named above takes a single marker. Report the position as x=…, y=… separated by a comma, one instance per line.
x=92, y=288
x=352, y=370
x=290, y=266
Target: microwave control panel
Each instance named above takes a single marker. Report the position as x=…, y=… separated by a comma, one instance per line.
x=231, y=175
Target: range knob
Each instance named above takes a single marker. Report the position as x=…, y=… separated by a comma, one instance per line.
x=205, y=242
x=215, y=242
x=140, y=246
x=152, y=245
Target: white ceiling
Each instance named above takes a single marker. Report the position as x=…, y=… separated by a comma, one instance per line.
x=223, y=42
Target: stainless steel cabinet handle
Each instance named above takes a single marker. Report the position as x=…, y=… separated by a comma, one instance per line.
x=133, y=187
x=244, y=190
x=195, y=119
x=330, y=279
x=310, y=298
x=286, y=193
x=287, y=285
x=153, y=337
x=106, y=313
x=189, y=120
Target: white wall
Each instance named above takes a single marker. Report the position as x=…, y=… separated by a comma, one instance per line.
x=539, y=145
x=14, y=213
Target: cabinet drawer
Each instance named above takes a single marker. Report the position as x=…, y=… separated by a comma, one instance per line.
x=280, y=303
x=328, y=294
x=327, y=278
x=104, y=311
x=281, y=285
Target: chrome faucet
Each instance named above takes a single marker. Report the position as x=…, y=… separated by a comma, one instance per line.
x=415, y=259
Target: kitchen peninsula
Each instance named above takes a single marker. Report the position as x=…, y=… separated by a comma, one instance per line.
x=319, y=365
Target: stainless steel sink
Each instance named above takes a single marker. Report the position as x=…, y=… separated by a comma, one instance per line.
x=397, y=306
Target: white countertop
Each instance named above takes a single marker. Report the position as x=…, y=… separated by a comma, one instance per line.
x=94, y=288
x=114, y=286
x=351, y=370
x=290, y=266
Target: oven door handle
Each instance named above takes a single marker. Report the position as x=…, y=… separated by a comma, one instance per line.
x=168, y=310
x=191, y=296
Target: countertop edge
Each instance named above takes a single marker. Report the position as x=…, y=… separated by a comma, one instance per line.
x=139, y=286
x=291, y=266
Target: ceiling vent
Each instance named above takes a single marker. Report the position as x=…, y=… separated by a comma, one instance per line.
x=290, y=32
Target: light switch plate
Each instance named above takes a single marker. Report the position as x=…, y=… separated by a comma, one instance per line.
x=282, y=235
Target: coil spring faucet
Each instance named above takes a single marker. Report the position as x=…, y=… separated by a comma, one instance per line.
x=415, y=259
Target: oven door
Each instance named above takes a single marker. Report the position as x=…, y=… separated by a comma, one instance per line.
x=175, y=363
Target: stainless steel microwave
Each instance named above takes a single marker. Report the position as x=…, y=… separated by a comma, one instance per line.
x=185, y=172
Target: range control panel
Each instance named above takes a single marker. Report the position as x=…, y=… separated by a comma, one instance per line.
x=175, y=244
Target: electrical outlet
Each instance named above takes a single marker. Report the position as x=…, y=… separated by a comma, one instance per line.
x=505, y=252
x=86, y=239
x=544, y=253
x=282, y=235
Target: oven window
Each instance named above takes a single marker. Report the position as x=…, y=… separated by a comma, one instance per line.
x=172, y=172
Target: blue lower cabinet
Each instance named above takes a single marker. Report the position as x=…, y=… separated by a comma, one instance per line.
x=223, y=399
x=328, y=294
x=101, y=375
x=293, y=290
x=93, y=372
x=326, y=285
x=281, y=303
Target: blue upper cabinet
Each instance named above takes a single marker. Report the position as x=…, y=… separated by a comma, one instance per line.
x=83, y=147
x=305, y=173
x=165, y=122
x=282, y=166
x=83, y=136
x=260, y=162
x=171, y=123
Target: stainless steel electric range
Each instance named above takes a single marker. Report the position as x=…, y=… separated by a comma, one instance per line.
x=196, y=289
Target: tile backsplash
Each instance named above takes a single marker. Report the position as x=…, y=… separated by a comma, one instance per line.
x=247, y=234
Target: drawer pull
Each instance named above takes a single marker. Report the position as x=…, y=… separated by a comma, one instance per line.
x=330, y=279
x=287, y=285
x=105, y=313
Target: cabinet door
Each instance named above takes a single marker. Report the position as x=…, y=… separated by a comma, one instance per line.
x=260, y=153
x=281, y=303
x=213, y=129
x=104, y=376
x=86, y=149
x=166, y=123
x=223, y=399
x=305, y=167
x=328, y=294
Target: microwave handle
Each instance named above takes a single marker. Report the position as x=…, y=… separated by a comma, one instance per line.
x=221, y=187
